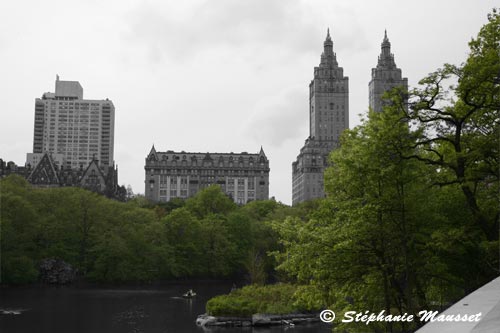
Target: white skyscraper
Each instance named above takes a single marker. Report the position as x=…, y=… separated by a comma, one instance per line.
x=74, y=130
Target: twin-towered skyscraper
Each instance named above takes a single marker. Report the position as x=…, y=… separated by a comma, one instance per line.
x=329, y=115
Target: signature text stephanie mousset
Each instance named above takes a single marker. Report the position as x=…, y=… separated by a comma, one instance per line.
x=368, y=317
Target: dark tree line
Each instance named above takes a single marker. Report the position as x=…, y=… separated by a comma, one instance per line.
x=110, y=241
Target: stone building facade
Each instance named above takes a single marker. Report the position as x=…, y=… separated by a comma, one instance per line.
x=48, y=174
x=328, y=117
x=384, y=77
x=242, y=176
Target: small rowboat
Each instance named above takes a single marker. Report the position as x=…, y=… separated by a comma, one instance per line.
x=189, y=294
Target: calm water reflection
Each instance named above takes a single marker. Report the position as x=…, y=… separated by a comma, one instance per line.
x=149, y=309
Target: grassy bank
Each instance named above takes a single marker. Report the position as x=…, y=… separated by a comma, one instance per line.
x=276, y=299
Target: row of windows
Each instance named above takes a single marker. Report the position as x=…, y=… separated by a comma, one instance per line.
x=204, y=172
x=173, y=194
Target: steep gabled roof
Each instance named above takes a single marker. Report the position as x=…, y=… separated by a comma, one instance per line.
x=45, y=172
x=93, y=178
x=93, y=165
x=152, y=156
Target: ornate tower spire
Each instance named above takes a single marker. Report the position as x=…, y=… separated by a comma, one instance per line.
x=386, y=46
x=328, y=44
x=385, y=76
x=328, y=37
x=328, y=56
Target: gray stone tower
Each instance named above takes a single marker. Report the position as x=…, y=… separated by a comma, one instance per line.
x=384, y=77
x=328, y=117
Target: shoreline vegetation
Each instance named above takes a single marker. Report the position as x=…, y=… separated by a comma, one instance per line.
x=410, y=220
x=278, y=299
x=255, y=305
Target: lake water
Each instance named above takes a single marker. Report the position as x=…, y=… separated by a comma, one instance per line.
x=150, y=309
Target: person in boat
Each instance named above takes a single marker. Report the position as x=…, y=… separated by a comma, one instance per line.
x=190, y=293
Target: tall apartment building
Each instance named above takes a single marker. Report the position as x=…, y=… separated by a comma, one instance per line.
x=328, y=117
x=242, y=176
x=75, y=131
x=384, y=77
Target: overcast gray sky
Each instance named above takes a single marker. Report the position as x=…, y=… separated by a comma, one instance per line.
x=216, y=76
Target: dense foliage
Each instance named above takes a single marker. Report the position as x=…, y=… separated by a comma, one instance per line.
x=275, y=299
x=110, y=241
x=411, y=217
